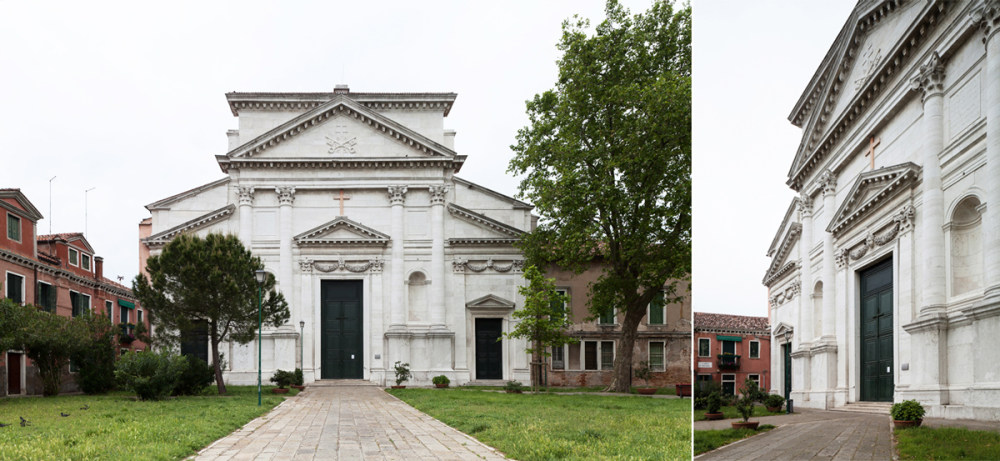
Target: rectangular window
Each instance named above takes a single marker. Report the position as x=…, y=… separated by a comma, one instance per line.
x=13, y=227
x=47, y=297
x=138, y=317
x=80, y=302
x=558, y=306
x=755, y=349
x=73, y=255
x=574, y=357
x=607, y=317
x=656, y=356
x=607, y=355
x=657, y=310
x=558, y=362
x=704, y=347
x=109, y=308
x=15, y=287
x=728, y=347
x=755, y=378
x=729, y=384
x=73, y=368
x=590, y=355
x=85, y=261
x=124, y=314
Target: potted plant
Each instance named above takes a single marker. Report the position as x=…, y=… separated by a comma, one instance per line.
x=441, y=381
x=298, y=381
x=773, y=402
x=513, y=387
x=908, y=413
x=745, y=405
x=713, y=403
x=283, y=379
x=402, y=374
x=644, y=373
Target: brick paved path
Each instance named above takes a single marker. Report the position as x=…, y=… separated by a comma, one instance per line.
x=810, y=435
x=346, y=421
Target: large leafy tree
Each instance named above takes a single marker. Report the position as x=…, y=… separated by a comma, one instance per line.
x=543, y=320
x=607, y=162
x=208, y=280
x=47, y=339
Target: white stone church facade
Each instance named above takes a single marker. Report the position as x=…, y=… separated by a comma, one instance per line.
x=884, y=279
x=352, y=202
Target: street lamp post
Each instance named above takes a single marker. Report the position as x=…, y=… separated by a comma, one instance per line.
x=261, y=276
x=302, y=344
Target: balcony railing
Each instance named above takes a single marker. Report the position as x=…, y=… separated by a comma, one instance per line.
x=127, y=333
x=729, y=361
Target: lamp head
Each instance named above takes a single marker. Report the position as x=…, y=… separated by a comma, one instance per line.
x=302, y=323
x=261, y=276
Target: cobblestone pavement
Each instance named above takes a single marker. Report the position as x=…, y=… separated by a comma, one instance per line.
x=810, y=435
x=346, y=421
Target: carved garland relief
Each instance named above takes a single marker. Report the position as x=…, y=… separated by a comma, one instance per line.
x=460, y=265
x=356, y=266
x=902, y=222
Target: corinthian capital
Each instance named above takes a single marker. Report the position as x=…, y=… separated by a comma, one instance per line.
x=285, y=195
x=397, y=195
x=930, y=77
x=987, y=17
x=828, y=181
x=437, y=194
x=805, y=205
x=246, y=195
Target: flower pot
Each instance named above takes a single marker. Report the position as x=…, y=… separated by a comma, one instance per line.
x=279, y=390
x=899, y=423
x=683, y=390
x=745, y=425
x=399, y=387
x=773, y=409
x=713, y=416
x=298, y=387
x=513, y=392
x=440, y=386
x=646, y=390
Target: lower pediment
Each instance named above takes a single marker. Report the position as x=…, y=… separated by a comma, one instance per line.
x=871, y=191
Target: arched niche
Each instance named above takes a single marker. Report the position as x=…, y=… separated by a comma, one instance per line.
x=966, y=247
x=416, y=289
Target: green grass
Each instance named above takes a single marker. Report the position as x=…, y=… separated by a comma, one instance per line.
x=947, y=443
x=710, y=440
x=730, y=412
x=572, y=427
x=559, y=390
x=116, y=426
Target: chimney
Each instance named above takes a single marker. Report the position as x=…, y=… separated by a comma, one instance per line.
x=234, y=138
x=341, y=89
x=98, y=267
x=449, y=139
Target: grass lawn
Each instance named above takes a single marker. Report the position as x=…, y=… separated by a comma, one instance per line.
x=116, y=426
x=574, y=427
x=946, y=443
x=710, y=440
x=730, y=412
x=659, y=391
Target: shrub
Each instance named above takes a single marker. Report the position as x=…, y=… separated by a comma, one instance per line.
x=643, y=372
x=907, y=410
x=702, y=390
x=298, y=377
x=774, y=400
x=95, y=355
x=748, y=395
x=196, y=377
x=402, y=372
x=283, y=378
x=713, y=402
x=151, y=375
x=514, y=386
x=441, y=379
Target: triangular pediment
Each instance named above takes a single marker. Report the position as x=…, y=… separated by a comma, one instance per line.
x=334, y=130
x=874, y=47
x=212, y=217
x=781, y=330
x=493, y=228
x=14, y=200
x=871, y=190
x=780, y=257
x=491, y=302
x=342, y=231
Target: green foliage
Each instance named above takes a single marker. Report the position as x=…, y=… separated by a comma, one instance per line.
x=402, y=372
x=151, y=375
x=47, y=339
x=643, y=372
x=196, y=377
x=542, y=321
x=118, y=427
x=748, y=395
x=441, y=379
x=710, y=440
x=946, y=443
x=283, y=378
x=606, y=161
x=208, y=279
x=95, y=355
x=774, y=400
x=713, y=402
x=907, y=410
x=298, y=377
x=563, y=427
x=514, y=386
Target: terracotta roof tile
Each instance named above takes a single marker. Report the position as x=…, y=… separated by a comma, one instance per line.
x=64, y=236
x=733, y=322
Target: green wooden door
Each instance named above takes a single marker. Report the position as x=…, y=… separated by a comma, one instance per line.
x=786, y=350
x=342, y=344
x=489, y=349
x=876, y=333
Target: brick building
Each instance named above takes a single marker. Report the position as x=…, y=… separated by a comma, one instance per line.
x=731, y=348
x=61, y=274
x=664, y=338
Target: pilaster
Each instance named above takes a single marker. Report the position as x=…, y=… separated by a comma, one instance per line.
x=988, y=18
x=397, y=197
x=805, y=330
x=829, y=183
x=246, y=215
x=437, y=306
x=286, y=195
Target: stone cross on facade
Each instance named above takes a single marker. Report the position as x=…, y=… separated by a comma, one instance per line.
x=341, y=198
x=871, y=150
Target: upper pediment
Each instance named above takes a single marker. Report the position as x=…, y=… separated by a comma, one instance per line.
x=877, y=43
x=780, y=264
x=162, y=238
x=342, y=231
x=870, y=191
x=496, y=229
x=340, y=128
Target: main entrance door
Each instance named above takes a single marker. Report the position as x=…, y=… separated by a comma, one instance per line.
x=489, y=350
x=342, y=344
x=876, y=333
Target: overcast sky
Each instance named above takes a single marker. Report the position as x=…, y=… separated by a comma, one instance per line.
x=128, y=98
x=752, y=60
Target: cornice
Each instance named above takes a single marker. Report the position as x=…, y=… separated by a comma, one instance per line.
x=367, y=235
x=482, y=220
x=781, y=229
x=228, y=163
x=162, y=238
x=887, y=181
x=490, y=301
x=436, y=102
x=513, y=201
x=29, y=211
x=62, y=273
x=482, y=241
x=775, y=270
x=817, y=139
x=163, y=203
x=738, y=331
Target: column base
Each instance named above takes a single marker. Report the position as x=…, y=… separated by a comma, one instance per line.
x=933, y=310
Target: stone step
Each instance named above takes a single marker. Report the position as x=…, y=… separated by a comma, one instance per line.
x=880, y=408
x=340, y=383
x=486, y=382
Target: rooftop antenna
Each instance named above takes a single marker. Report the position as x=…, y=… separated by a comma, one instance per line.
x=50, y=204
x=85, y=230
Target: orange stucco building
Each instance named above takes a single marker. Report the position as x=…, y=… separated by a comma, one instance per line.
x=728, y=349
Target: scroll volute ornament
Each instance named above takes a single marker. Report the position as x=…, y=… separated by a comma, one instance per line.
x=930, y=77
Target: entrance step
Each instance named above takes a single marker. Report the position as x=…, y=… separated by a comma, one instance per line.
x=879, y=408
x=486, y=382
x=340, y=383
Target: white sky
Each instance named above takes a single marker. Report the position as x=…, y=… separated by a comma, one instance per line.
x=752, y=60
x=129, y=97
